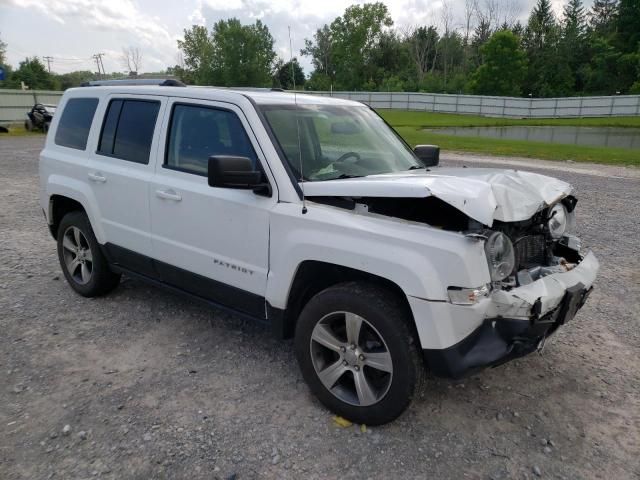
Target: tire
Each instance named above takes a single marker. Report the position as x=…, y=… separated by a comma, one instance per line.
x=28, y=125
x=85, y=268
x=324, y=349
x=45, y=127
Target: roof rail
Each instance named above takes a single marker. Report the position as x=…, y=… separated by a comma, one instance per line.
x=250, y=89
x=163, y=82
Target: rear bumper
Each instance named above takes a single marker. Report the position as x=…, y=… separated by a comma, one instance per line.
x=498, y=340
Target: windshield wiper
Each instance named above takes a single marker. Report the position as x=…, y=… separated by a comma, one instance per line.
x=416, y=167
x=343, y=176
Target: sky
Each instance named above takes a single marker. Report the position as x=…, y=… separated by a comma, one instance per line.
x=71, y=31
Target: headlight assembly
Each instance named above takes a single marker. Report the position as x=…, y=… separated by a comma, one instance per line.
x=500, y=255
x=558, y=220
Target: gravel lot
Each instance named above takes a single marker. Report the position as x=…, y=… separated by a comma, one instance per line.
x=154, y=386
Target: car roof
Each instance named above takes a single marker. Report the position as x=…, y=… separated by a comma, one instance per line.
x=259, y=96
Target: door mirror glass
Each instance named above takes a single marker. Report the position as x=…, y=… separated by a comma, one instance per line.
x=429, y=155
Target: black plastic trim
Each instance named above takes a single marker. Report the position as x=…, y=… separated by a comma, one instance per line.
x=212, y=291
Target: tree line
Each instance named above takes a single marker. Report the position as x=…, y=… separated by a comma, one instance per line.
x=584, y=51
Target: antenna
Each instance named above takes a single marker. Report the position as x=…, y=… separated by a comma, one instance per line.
x=295, y=101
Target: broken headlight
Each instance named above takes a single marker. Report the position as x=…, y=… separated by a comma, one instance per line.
x=561, y=220
x=500, y=256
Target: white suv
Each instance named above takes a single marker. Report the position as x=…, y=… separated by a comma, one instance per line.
x=313, y=215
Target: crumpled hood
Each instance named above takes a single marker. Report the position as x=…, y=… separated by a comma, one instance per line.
x=484, y=194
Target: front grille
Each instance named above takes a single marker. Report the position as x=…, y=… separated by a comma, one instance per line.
x=530, y=251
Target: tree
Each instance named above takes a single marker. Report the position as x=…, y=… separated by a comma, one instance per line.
x=131, y=59
x=602, y=18
x=286, y=74
x=541, y=26
x=34, y=75
x=574, y=20
x=548, y=74
x=197, y=52
x=628, y=26
x=452, y=55
x=573, y=43
x=504, y=66
x=422, y=43
x=320, y=51
x=232, y=55
x=3, y=51
x=350, y=42
x=75, y=79
x=242, y=54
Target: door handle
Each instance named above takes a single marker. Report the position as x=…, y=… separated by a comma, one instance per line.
x=169, y=195
x=97, y=177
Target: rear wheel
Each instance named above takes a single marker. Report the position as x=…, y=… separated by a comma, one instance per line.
x=28, y=125
x=83, y=264
x=357, y=352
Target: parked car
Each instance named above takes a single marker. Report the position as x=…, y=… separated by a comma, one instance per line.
x=313, y=215
x=39, y=117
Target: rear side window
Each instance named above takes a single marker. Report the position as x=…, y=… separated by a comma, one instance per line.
x=75, y=123
x=127, y=130
x=196, y=133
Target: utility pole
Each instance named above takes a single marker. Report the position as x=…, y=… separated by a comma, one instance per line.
x=98, y=58
x=49, y=60
x=104, y=72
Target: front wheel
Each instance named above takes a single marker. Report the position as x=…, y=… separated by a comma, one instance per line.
x=357, y=352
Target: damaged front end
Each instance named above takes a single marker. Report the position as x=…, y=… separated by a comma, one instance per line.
x=539, y=280
x=537, y=277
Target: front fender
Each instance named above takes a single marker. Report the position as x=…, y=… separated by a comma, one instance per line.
x=421, y=260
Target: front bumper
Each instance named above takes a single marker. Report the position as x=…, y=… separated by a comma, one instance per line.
x=516, y=322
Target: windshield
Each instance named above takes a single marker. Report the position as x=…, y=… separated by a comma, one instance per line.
x=337, y=142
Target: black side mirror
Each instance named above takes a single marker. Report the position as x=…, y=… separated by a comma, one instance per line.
x=429, y=155
x=227, y=171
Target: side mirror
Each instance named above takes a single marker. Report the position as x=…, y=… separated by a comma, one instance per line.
x=429, y=155
x=227, y=171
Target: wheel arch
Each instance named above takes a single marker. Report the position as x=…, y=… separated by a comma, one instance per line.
x=59, y=206
x=62, y=194
x=313, y=276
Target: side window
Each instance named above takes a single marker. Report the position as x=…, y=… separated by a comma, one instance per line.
x=75, y=123
x=127, y=130
x=196, y=133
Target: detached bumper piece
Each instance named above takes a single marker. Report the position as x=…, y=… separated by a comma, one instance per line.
x=499, y=340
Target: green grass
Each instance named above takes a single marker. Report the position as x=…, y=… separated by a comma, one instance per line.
x=411, y=126
x=18, y=130
x=401, y=118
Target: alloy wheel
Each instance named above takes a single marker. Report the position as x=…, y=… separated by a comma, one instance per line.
x=351, y=358
x=77, y=255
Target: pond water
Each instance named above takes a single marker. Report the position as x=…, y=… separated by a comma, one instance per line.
x=597, y=136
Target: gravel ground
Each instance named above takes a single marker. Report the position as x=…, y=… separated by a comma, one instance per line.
x=145, y=384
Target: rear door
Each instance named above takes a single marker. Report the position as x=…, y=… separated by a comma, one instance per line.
x=211, y=241
x=119, y=173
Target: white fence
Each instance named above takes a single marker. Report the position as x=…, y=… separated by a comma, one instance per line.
x=15, y=103
x=513, y=107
